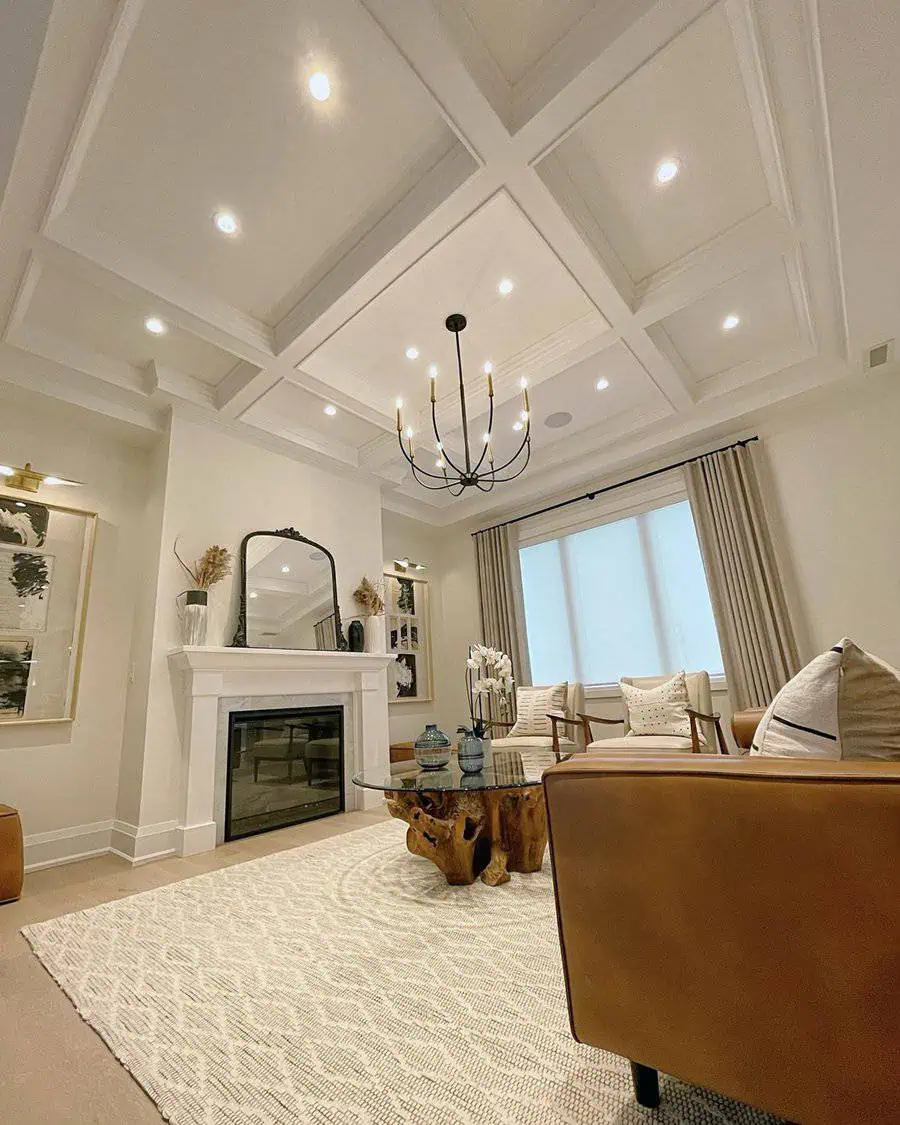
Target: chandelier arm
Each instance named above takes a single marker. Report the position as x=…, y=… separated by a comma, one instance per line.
x=526, y=441
x=418, y=468
x=437, y=438
x=481, y=488
x=517, y=473
x=448, y=484
x=487, y=444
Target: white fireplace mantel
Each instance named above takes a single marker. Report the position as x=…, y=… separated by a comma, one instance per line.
x=209, y=674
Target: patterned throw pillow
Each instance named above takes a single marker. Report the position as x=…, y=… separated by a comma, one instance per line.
x=844, y=704
x=659, y=710
x=533, y=704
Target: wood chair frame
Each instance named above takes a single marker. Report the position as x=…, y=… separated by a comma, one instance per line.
x=693, y=716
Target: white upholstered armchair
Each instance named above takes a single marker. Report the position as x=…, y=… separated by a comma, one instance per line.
x=539, y=752
x=705, y=728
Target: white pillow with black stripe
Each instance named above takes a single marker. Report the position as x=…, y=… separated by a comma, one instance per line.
x=843, y=704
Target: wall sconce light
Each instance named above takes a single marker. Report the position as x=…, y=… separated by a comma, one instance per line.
x=30, y=480
x=405, y=564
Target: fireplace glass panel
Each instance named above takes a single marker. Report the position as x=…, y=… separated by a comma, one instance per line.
x=284, y=767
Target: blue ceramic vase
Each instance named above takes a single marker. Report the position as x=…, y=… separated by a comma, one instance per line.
x=470, y=752
x=432, y=748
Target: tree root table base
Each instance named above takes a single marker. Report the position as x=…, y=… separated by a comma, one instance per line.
x=486, y=832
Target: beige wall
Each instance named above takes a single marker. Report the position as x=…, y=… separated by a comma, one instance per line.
x=450, y=558
x=834, y=487
x=63, y=777
x=219, y=487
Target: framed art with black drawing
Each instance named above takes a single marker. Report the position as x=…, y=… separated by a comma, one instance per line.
x=408, y=637
x=45, y=570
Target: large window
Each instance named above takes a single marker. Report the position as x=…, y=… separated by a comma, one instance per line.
x=627, y=598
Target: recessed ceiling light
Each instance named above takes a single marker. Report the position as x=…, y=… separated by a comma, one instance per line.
x=666, y=171
x=253, y=594
x=731, y=321
x=285, y=570
x=602, y=384
x=320, y=87
x=517, y=426
x=330, y=410
x=412, y=353
x=506, y=286
x=20, y=503
x=226, y=223
x=155, y=326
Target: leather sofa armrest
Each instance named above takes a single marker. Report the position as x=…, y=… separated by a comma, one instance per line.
x=733, y=921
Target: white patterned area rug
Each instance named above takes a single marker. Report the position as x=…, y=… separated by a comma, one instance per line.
x=344, y=983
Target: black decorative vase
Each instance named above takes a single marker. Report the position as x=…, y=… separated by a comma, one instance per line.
x=356, y=636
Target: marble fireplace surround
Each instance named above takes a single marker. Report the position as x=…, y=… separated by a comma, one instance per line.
x=215, y=681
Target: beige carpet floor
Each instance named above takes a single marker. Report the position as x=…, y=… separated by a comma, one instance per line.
x=54, y=1069
x=346, y=982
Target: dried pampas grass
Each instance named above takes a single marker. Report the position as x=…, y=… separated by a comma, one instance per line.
x=212, y=566
x=368, y=598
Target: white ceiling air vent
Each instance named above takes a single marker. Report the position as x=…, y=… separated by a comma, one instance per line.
x=879, y=355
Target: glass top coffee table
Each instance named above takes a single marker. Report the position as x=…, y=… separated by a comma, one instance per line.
x=487, y=823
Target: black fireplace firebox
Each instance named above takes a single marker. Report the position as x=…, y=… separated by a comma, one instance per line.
x=284, y=766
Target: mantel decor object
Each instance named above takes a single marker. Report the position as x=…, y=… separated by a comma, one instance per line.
x=193, y=605
x=288, y=594
x=478, y=469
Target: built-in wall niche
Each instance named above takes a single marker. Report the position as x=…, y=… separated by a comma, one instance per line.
x=285, y=766
x=408, y=625
x=45, y=571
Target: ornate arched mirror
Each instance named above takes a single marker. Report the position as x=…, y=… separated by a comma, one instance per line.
x=288, y=593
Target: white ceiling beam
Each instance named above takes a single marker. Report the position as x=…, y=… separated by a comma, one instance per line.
x=68, y=354
x=596, y=56
x=177, y=386
x=118, y=270
x=121, y=29
x=46, y=377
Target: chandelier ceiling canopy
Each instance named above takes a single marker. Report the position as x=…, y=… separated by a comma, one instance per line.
x=479, y=469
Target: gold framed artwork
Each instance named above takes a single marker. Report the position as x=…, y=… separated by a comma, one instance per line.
x=408, y=625
x=46, y=552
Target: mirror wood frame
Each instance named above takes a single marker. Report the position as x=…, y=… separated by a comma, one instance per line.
x=240, y=634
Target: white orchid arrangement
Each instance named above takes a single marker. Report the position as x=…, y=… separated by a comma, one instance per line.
x=488, y=673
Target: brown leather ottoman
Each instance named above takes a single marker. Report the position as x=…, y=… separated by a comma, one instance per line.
x=12, y=859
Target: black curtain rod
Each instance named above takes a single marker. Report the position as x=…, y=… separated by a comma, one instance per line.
x=595, y=492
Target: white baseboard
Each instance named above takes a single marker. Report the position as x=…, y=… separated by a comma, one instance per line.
x=66, y=845
x=141, y=844
x=84, y=841
x=194, y=838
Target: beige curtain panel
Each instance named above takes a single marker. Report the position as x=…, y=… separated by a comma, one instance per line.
x=758, y=645
x=497, y=569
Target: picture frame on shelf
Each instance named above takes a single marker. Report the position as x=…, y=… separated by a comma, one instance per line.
x=408, y=629
x=46, y=554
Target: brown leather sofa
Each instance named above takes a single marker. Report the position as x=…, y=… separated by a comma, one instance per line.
x=736, y=922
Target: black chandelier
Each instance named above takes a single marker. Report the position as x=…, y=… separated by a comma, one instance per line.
x=475, y=474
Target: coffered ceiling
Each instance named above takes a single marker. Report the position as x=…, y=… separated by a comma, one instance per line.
x=665, y=190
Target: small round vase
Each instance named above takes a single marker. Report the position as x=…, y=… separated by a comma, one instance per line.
x=432, y=748
x=470, y=753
